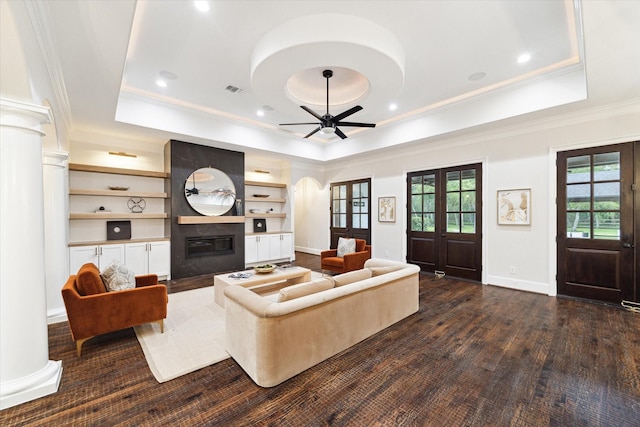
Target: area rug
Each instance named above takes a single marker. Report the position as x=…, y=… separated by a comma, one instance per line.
x=193, y=335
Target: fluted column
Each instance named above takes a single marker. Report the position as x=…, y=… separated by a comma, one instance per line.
x=26, y=372
x=56, y=226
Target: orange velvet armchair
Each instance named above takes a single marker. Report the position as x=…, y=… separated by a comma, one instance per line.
x=92, y=310
x=329, y=260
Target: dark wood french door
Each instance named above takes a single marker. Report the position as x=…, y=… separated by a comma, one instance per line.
x=444, y=232
x=351, y=210
x=597, y=256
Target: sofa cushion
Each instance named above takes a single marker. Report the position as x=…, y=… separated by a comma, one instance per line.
x=377, y=271
x=119, y=277
x=88, y=280
x=346, y=246
x=361, y=244
x=304, y=289
x=352, y=276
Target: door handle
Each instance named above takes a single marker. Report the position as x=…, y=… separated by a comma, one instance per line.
x=627, y=245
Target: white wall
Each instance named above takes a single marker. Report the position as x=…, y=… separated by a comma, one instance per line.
x=513, y=157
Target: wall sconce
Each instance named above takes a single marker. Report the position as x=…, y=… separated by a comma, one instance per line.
x=122, y=153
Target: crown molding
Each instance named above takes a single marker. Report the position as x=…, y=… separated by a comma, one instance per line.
x=38, y=12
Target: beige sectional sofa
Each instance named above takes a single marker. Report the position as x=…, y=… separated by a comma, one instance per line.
x=276, y=340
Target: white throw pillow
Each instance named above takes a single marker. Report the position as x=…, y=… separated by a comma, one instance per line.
x=118, y=277
x=346, y=246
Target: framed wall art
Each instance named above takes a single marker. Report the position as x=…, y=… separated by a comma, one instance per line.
x=387, y=209
x=514, y=207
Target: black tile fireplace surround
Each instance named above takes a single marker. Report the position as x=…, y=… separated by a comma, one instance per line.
x=219, y=247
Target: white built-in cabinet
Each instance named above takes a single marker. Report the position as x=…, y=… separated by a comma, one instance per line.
x=100, y=255
x=148, y=251
x=149, y=258
x=142, y=257
x=268, y=247
x=270, y=201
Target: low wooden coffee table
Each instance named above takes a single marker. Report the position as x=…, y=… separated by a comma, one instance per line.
x=277, y=279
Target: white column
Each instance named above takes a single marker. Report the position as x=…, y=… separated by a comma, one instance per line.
x=56, y=226
x=25, y=371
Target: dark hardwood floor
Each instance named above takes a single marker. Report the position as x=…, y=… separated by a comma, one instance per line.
x=473, y=355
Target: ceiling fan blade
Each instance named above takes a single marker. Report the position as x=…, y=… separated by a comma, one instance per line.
x=310, y=111
x=313, y=131
x=361, y=125
x=347, y=113
x=293, y=124
x=340, y=134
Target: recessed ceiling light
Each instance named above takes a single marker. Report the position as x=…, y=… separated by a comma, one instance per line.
x=525, y=57
x=393, y=107
x=477, y=76
x=161, y=83
x=260, y=113
x=202, y=6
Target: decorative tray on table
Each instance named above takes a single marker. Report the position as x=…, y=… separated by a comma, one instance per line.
x=264, y=268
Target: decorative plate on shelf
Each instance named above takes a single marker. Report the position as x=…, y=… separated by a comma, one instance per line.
x=264, y=268
x=260, y=195
x=118, y=188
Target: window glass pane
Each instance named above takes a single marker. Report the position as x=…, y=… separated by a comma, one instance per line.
x=453, y=202
x=606, y=225
x=469, y=223
x=335, y=192
x=365, y=205
x=343, y=206
x=356, y=206
x=579, y=197
x=579, y=169
x=429, y=222
x=579, y=225
x=355, y=221
x=355, y=190
x=429, y=203
x=343, y=191
x=416, y=203
x=468, y=201
x=606, y=196
x=453, y=222
x=416, y=222
x=429, y=184
x=364, y=221
x=364, y=189
x=606, y=167
x=416, y=184
x=336, y=206
x=469, y=179
x=453, y=181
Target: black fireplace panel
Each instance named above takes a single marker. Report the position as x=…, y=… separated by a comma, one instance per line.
x=209, y=246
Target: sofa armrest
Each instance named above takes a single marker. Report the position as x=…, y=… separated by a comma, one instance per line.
x=355, y=260
x=328, y=253
x=248, y=299
x=146, y=280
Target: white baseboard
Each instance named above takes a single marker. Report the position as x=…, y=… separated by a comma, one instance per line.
x=311, y=251
x=56, y=316
x=522, y=285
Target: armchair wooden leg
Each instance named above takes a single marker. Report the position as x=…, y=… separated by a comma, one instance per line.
x=79, y=345
x=161, y=323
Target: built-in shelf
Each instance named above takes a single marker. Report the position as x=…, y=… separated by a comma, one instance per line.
x=116, y=193
x=114, y=242
x=117, y=171
x=265, y=199
x=265, y=184
x=117, y=215
x=225, y=219
x=266, y=215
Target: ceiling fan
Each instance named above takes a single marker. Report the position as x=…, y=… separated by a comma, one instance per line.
x=328, y=123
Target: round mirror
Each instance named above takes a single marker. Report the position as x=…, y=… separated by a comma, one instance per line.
x=210, y=192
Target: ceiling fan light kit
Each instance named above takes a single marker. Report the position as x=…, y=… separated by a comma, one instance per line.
x=329, y=123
